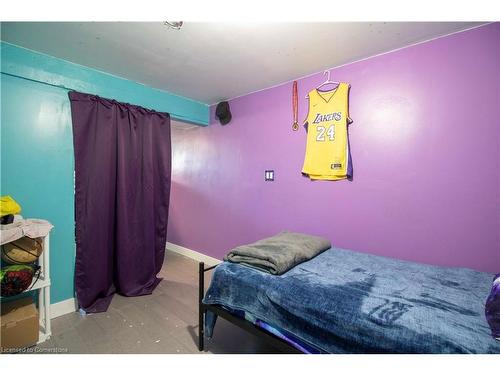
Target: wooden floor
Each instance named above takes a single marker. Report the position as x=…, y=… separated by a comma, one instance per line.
x=164, y=322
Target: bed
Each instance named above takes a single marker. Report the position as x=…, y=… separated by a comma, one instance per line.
x=343, y=301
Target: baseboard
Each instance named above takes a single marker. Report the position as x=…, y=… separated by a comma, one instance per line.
x=63, y=307
x=208, y=260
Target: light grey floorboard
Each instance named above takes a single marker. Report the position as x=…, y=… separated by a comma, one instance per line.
x=164, y=322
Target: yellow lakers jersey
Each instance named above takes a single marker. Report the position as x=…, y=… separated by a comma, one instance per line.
x=327, y=150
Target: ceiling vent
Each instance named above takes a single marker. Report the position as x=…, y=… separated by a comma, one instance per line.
x=176, y=25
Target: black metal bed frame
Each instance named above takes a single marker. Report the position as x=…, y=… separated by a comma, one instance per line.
x=240, y=322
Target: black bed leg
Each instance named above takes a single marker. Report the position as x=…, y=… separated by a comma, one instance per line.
x=201, y=310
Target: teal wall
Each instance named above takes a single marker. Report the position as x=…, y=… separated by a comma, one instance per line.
x=37, y=146
x=37, y=166
x=21, y=62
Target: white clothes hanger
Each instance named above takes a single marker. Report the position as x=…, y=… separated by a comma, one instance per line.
x=327, y=82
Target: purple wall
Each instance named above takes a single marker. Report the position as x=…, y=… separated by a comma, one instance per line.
x=426, y=153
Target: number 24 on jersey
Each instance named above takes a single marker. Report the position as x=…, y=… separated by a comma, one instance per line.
x=321, y=131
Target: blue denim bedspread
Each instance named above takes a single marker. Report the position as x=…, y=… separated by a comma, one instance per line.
x=348, y=302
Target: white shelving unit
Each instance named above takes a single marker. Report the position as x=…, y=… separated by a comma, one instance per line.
x=42, y=286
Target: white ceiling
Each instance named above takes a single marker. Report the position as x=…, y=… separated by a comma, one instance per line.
x=213, y=61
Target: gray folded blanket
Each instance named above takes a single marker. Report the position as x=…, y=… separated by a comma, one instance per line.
x=279, y=253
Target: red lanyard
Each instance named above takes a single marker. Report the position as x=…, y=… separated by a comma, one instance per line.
x=295, y=104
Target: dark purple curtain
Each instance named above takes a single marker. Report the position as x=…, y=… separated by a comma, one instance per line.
x=122, y=189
